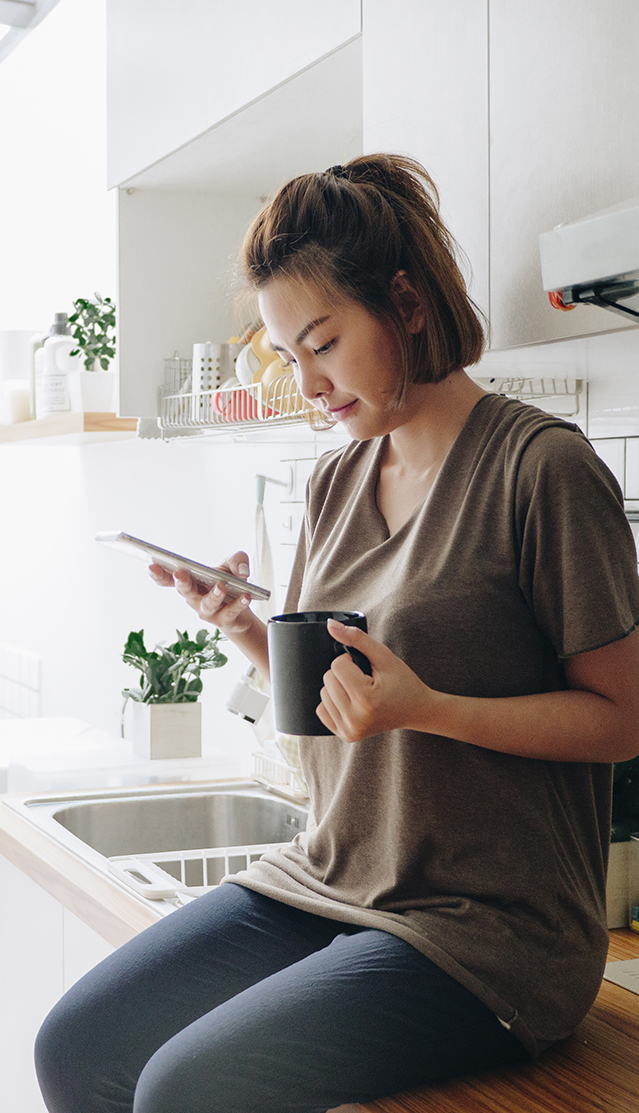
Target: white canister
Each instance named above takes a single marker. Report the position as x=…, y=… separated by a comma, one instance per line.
x=14, y=401
x=206, y=367
x=16, y=353
x=213, y=364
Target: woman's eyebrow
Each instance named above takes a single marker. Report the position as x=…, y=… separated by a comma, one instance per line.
x=303, y=334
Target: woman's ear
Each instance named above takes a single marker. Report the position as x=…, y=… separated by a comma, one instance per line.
x=408, y=302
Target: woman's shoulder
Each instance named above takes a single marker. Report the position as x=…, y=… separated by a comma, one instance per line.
x=526, y=440
x=519, y=423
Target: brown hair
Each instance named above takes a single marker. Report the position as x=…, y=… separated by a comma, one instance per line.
x=350, y=230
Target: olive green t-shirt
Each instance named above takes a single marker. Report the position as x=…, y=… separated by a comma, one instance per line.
x=490, y=864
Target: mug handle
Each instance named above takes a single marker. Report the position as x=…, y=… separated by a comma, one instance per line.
x=355, y=655
x=360, y=659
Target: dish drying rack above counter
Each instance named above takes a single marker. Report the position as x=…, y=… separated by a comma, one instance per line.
x=565, y=392
x=186, y=412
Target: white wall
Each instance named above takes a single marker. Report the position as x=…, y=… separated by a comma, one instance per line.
x=56, y=218
x=74, y=602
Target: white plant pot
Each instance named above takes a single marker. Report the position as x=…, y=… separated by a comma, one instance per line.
x=166, y=730
x=91, y=391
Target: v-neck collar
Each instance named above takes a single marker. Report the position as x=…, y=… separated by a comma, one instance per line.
x=372, y=479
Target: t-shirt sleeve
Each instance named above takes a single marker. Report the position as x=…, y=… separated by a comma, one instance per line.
x=578, y=561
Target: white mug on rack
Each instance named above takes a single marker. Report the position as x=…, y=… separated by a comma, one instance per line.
x=206, y=362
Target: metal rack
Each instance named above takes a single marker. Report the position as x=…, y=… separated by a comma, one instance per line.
x=187, y=412
x=531, y=390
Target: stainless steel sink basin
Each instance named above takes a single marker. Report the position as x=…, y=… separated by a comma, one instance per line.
x=164, y=823
x=180, y=820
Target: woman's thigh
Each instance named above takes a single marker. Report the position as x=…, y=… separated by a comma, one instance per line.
x=97, y=1039
x=365, y=1016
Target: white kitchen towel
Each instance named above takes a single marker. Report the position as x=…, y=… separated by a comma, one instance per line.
x=262, y=573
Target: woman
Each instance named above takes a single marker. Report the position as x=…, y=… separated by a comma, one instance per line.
x=445, y=910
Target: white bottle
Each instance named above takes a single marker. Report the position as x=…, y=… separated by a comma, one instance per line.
x=52, y=365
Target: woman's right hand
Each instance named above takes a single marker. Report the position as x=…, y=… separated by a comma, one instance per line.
x=228, y=612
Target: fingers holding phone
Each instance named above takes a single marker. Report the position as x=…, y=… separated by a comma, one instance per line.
x=222, y=605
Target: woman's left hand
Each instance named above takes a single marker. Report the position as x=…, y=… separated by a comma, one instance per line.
x=356, y=706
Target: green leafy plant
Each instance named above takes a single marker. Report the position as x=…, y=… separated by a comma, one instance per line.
x=94, y=331
x=171, y=673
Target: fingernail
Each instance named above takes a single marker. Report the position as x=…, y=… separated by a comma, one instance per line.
x=244, y=600
x=243, y=569
x=217, y=590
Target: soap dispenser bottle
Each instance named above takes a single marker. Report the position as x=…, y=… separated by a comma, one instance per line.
x=53, y=361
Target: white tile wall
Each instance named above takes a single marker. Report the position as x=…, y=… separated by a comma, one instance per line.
x=621, y=454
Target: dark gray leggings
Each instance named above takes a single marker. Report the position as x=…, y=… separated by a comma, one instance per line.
x=238, y=1003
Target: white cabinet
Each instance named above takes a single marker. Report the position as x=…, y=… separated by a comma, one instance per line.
x=176, y=69
x=526, y=116
x=44, y=949
x=564, y=103
x=425, y=75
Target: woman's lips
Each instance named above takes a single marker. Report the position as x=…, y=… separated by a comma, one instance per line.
x=340, y=411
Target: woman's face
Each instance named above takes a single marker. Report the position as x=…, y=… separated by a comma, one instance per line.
x=346, y=361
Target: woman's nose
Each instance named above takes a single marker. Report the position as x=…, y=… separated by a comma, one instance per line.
x=311, y=381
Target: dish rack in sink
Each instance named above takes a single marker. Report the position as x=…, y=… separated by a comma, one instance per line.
x=182, y=875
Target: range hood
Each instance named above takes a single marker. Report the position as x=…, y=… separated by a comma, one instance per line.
x=594, y=260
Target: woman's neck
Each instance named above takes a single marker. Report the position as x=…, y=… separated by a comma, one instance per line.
x=436, y=414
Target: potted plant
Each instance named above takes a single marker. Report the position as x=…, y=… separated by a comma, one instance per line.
x=167, y=718
x=93, y=328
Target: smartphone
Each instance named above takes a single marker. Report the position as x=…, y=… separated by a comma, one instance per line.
x=202, y=573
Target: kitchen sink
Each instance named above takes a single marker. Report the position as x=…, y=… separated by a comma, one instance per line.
x=168, y=840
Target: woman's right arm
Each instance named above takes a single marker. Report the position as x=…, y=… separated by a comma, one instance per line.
x=232, y=615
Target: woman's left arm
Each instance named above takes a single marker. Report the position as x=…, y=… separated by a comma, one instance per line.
x=596, y=719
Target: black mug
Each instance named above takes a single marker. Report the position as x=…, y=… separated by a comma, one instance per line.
x=300, y=651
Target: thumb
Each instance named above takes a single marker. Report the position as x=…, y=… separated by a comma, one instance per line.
x=358, y=639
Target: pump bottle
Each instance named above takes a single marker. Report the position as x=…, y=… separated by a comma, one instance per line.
x=52, y=364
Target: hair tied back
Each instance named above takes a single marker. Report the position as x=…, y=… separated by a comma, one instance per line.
x=337, y=171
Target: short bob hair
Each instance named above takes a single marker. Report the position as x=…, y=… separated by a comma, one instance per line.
x=349, y=231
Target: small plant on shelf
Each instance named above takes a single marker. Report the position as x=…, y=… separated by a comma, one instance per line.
x=171, y=673
x=93, y=328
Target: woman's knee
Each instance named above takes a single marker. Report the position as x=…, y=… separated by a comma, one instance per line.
x=64, y=1050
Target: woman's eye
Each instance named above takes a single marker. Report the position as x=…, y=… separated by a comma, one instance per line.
x=325, y=348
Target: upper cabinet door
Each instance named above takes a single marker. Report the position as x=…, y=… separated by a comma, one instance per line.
x=425, y=71
x=176, y=69
x=564, y=143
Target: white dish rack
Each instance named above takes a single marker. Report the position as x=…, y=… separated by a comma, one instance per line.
x=178, y=874
x=188, y=412
x=286, y=778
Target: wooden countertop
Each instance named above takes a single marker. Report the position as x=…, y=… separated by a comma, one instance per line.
x=597, y=1068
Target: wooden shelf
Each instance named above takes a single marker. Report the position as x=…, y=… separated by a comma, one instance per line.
x=69, y=428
